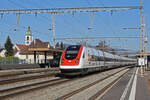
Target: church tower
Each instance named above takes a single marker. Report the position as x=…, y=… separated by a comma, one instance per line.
x=28, y=37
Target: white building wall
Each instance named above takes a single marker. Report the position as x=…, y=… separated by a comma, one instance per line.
x=2, y=53
x=30, y=58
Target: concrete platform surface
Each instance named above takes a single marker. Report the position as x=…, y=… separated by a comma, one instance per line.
x=132, y=86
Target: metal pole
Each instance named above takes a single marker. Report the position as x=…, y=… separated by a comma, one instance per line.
x=142, y=35
x=53, y=29
x=91, y=25
x=18, y=19
x=91, y=20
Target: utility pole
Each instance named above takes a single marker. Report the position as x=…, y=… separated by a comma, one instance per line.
x=53, y=29
x=90, y=27
x=18, y=21
x=143, y=40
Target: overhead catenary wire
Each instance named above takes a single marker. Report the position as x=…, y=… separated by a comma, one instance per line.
x=92, y=23
x=64, y=20
x=102, y=3
x=24, y=7
x=108, y=25
x=111, y=12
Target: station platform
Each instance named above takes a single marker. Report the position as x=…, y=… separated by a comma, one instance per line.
x=143, y=86
x=132, y=86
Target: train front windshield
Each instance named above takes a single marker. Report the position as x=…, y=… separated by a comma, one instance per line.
x=72, y=52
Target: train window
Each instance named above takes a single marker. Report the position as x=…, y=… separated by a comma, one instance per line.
x=72, y=52
x=83, y=55
x=89, y=63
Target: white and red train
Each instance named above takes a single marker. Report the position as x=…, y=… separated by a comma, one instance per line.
x=78, y=59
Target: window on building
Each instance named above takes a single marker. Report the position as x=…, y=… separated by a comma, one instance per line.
x=27, y=38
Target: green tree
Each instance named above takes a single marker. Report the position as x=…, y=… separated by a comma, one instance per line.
x=8, y=47
x=113, y=51
x=61, y=45
x=57, y=45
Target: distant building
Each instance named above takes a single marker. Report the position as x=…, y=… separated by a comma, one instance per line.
x=147, y=61
x=102, y=46
x=28, y=37
x=2, y=52
x=22, y=50
x=18, y=48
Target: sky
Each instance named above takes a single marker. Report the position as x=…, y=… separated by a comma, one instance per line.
x=105, y=24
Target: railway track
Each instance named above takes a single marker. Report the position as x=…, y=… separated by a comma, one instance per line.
x=99, y=92
x=27, y=88
x=28, y=77
x=13, y=73
x=4, y=93
x=25, y=77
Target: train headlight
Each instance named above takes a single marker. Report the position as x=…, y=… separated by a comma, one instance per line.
x=77, y=60
x=62, y=61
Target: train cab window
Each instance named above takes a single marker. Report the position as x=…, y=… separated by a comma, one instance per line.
x=83, y=55
x=72, y=52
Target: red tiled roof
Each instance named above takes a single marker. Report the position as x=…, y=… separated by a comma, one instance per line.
x=37, y=43
x=21, y=46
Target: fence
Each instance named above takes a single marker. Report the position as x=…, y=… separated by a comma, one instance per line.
x=15, y=60
x=9, y=60
x=19, y=61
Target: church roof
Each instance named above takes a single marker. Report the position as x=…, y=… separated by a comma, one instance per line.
x=28, y=32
